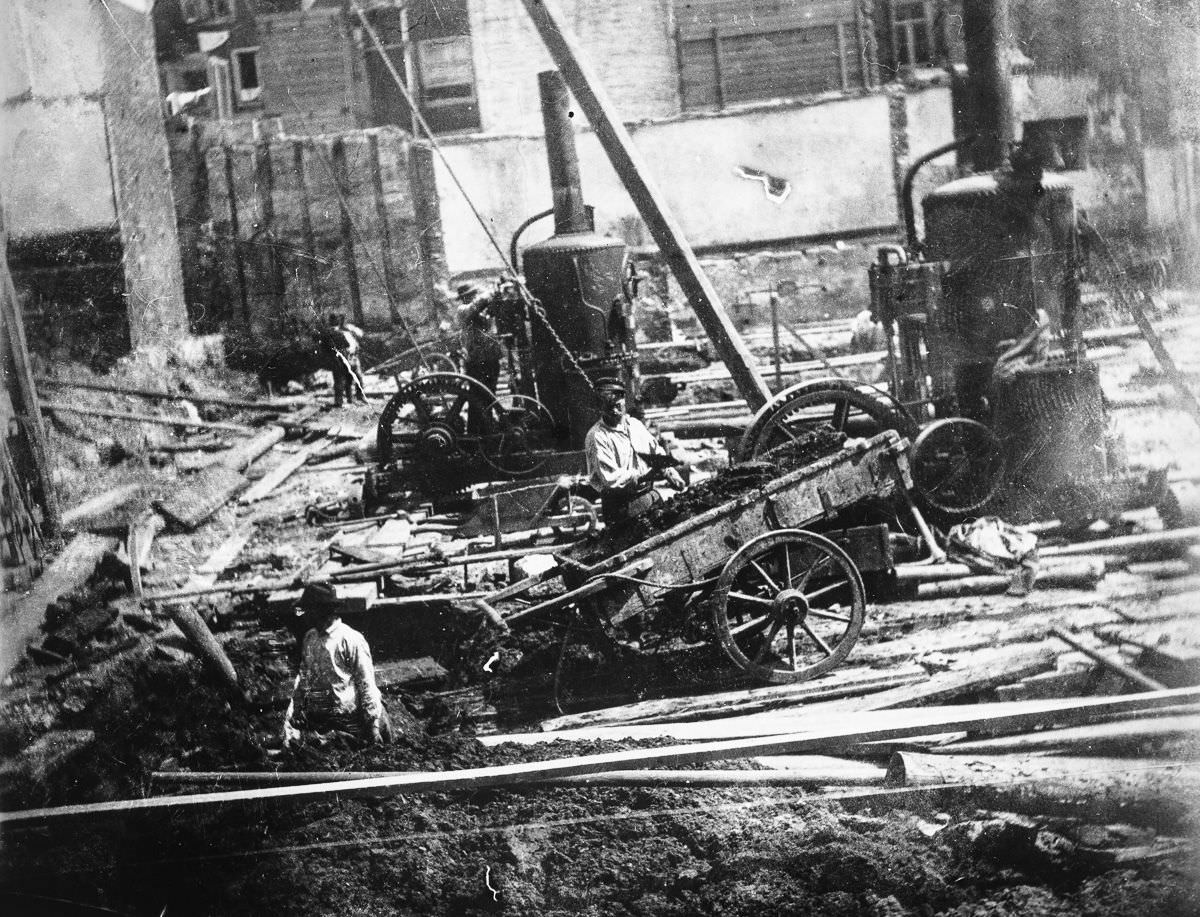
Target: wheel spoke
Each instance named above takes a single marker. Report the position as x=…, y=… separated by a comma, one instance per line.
x=824, y=589
x=841, y=413
x=809, y=572
x=782, y=427
x=767, y=641
x=831, y=615
x=746, y=597
x=748, y=627
x=765, y=575
x=792, y=645
x=787, y=565
x=817, y=638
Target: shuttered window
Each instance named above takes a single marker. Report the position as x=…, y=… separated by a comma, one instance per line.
x=437, y=42
x=735, y=51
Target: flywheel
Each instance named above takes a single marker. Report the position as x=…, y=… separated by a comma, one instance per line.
x=436, y=421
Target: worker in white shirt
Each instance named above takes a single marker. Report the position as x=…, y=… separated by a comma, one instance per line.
x=335, y=691
x=343, y=341
x=623, y=457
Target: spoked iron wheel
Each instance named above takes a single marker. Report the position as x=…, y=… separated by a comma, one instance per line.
x=523, y=426
x=957, y=465
x=443, y=414
x=849, y=407
x=788, y=606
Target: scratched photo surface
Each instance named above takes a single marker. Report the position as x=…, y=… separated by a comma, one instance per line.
x=600, y=457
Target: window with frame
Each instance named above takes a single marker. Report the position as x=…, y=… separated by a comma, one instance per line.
x=737, y=51
x=245, y=77
x=912, y=33
x=206, y=10
x=428, y=42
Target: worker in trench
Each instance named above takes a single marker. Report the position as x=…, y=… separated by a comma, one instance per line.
x=623, y=458
x=481, y=347
x=335, y=696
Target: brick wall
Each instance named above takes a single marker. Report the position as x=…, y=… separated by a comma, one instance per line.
x=630, y=44
x=306, y=68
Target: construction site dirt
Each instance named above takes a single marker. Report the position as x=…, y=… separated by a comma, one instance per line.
x=674, y=785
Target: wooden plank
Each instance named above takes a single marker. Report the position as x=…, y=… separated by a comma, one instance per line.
x=751, y=700
x=262, y=488
x=192, y=502
x=244, y=404
x=93, y=512
x=902, y=725
x=144, y=418
x=22, y=617
x=980, y=671
x=1093, y=738
x=820, y=772
x=245, y=454
x=1107, y=661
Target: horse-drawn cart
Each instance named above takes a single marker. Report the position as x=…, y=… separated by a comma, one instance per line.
x=786, y=604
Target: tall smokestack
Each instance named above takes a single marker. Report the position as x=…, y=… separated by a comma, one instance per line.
x=570, y=215
x=985, y=31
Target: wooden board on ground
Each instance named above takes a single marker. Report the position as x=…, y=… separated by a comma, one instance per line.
x=900, y=724
x=751, y=700
x=109, y=511
x=263, y=487
x=21, y=618
x=979, y=672
x=201, y=495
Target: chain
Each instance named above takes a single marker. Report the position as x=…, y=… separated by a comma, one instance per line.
x=539, y=310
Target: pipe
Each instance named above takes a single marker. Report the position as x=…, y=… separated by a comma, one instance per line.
x=985, y=30
x=569, y=212
x=910, y=176
x=512, y=246
x=651, y=204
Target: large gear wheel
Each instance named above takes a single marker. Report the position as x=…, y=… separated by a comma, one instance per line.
x=850, y=407
x=437, y=420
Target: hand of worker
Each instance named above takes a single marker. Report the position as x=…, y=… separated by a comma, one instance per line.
x=675, y=479
x=291, y=735
x=376, y=735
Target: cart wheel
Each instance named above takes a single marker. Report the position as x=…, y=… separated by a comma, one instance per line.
x=788, y=606
x=957, y=465
x=850, y=407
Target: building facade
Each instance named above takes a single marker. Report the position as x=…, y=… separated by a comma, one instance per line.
x=766, y=123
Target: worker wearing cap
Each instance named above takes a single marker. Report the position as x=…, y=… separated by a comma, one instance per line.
x=335, y=690
x=616, y=447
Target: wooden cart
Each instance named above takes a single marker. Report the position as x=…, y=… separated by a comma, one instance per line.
x=786, y=604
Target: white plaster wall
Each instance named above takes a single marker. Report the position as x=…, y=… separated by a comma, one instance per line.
x=836, y=156
x=54, y=170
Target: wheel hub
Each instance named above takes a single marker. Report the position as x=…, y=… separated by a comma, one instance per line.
x=791, y=606
x=435, y=440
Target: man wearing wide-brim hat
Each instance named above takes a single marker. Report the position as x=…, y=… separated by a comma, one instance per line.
x=620, y=454
x=335, y=691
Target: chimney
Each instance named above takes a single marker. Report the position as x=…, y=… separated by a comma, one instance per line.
x=985, y=32
x=570, y=214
